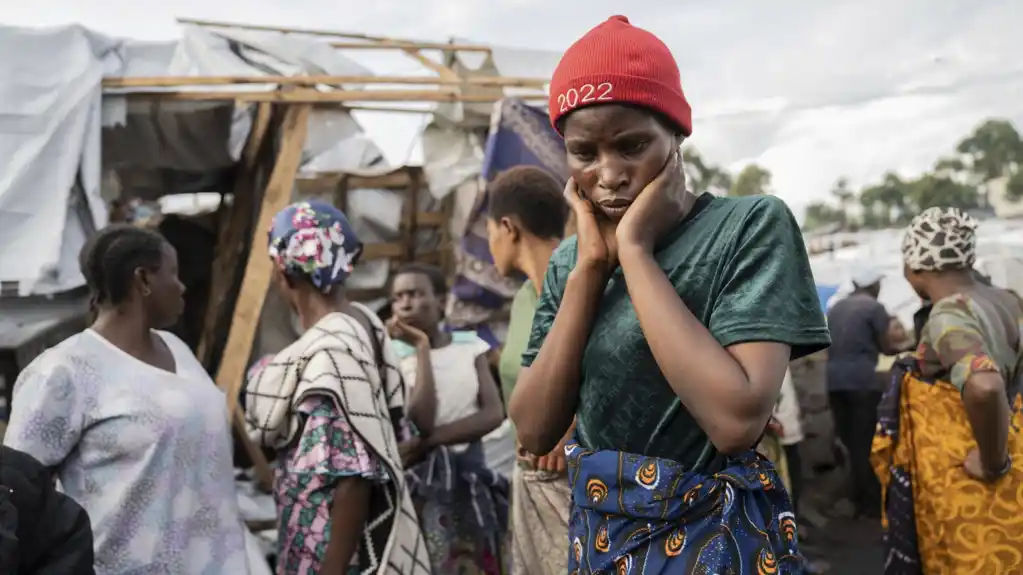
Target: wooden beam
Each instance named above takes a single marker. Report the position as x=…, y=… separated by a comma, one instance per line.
x=337, y=96
x=388, y=109
x=408, y=45
x=230, y=235
x=381, y=41
x=258, y=267
x=382, y=250
x=180, y=81
x=389, y=180
x=264, y=476
x=441, y=70
x=252, y=294
x=279, y=29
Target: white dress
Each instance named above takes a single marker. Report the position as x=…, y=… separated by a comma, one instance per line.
x=146, y=452
x=454, y=375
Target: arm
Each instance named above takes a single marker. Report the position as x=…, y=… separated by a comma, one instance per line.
x=728, y=374
x=348, y=515
x=731, y=392
x=422, y=406
x=959, y=343
x=474, y=427
x=46, y=398
x=547, y=390
x=880, y=323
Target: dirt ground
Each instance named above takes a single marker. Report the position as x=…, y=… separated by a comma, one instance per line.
x=848, y=546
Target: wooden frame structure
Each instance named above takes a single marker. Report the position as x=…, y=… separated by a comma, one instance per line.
x=280, y=126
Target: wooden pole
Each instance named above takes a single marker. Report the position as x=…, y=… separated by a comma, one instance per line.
x=180, y=81
x=230, y=236
x=378, y=41
x=387, y=44
x=336, y=96
x=252, y=294
x=388, y=109
x=258, y=267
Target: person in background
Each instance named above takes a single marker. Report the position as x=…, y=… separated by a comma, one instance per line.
x=463, y=504
x=790, y=434
x=333, y=406
x=526, y=219
x=42, y=531
x=663, y=330
x=860, y=334
x=120, y=212
x=131, y=423
x=948, y=448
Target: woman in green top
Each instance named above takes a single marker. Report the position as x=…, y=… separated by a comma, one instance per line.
x=526, y=221
x=664, y=328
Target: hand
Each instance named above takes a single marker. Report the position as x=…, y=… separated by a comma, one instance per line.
x=659, y=207
x=774, y=426
x=974, y=467
x=597, y=246
x=412, y=451
x=554, y=461
x=402, y=331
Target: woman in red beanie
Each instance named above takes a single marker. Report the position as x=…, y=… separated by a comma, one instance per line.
x=664, y=328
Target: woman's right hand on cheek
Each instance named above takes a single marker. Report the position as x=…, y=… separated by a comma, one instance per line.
x=597, y=246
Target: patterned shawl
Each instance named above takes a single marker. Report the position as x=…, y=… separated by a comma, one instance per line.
x=336, y=359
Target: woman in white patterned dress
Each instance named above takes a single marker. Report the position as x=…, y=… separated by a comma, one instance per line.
x=131, y=424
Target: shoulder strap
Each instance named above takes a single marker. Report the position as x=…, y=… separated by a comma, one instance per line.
x=397, y=413
x=378, y=347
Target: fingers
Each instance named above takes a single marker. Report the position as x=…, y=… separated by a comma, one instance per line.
x=575, y=201
x=672, y=167
x=541, y=463
x=395, y=328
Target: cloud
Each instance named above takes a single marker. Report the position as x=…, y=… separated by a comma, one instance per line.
x=812, y=90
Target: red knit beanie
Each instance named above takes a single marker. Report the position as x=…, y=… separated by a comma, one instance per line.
x=617, y=62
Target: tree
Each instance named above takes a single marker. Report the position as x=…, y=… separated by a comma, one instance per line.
x=932, y=190
x=841, y=192
x=706, y=177
x=994, y=150
x=884, y=204
x=819, y=215
x=1014, y=187
x=753, y=180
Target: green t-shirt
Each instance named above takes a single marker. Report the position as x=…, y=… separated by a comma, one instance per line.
x=740, y=266
x=515, y=342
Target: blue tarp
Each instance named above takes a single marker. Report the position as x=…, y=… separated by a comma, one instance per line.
x=520, y=135
x=824, y=293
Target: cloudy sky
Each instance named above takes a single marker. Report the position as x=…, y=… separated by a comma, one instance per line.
x=812, y=90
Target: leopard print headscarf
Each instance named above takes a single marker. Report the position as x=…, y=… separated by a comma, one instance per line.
x=940, y=239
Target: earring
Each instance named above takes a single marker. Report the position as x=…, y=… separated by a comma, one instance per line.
x=146, y=292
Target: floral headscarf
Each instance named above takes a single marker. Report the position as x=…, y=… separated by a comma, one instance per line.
x=314, y=239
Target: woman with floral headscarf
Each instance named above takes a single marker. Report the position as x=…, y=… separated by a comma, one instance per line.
x=948, y=449
x=333, y=406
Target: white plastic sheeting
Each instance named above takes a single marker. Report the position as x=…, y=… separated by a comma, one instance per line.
x=999, y=255
x=49, y=142
x=53, y=111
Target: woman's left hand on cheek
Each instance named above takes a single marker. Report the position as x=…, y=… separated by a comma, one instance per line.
x=658, y=207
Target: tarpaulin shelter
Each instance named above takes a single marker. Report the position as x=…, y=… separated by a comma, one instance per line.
x=255, y=115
